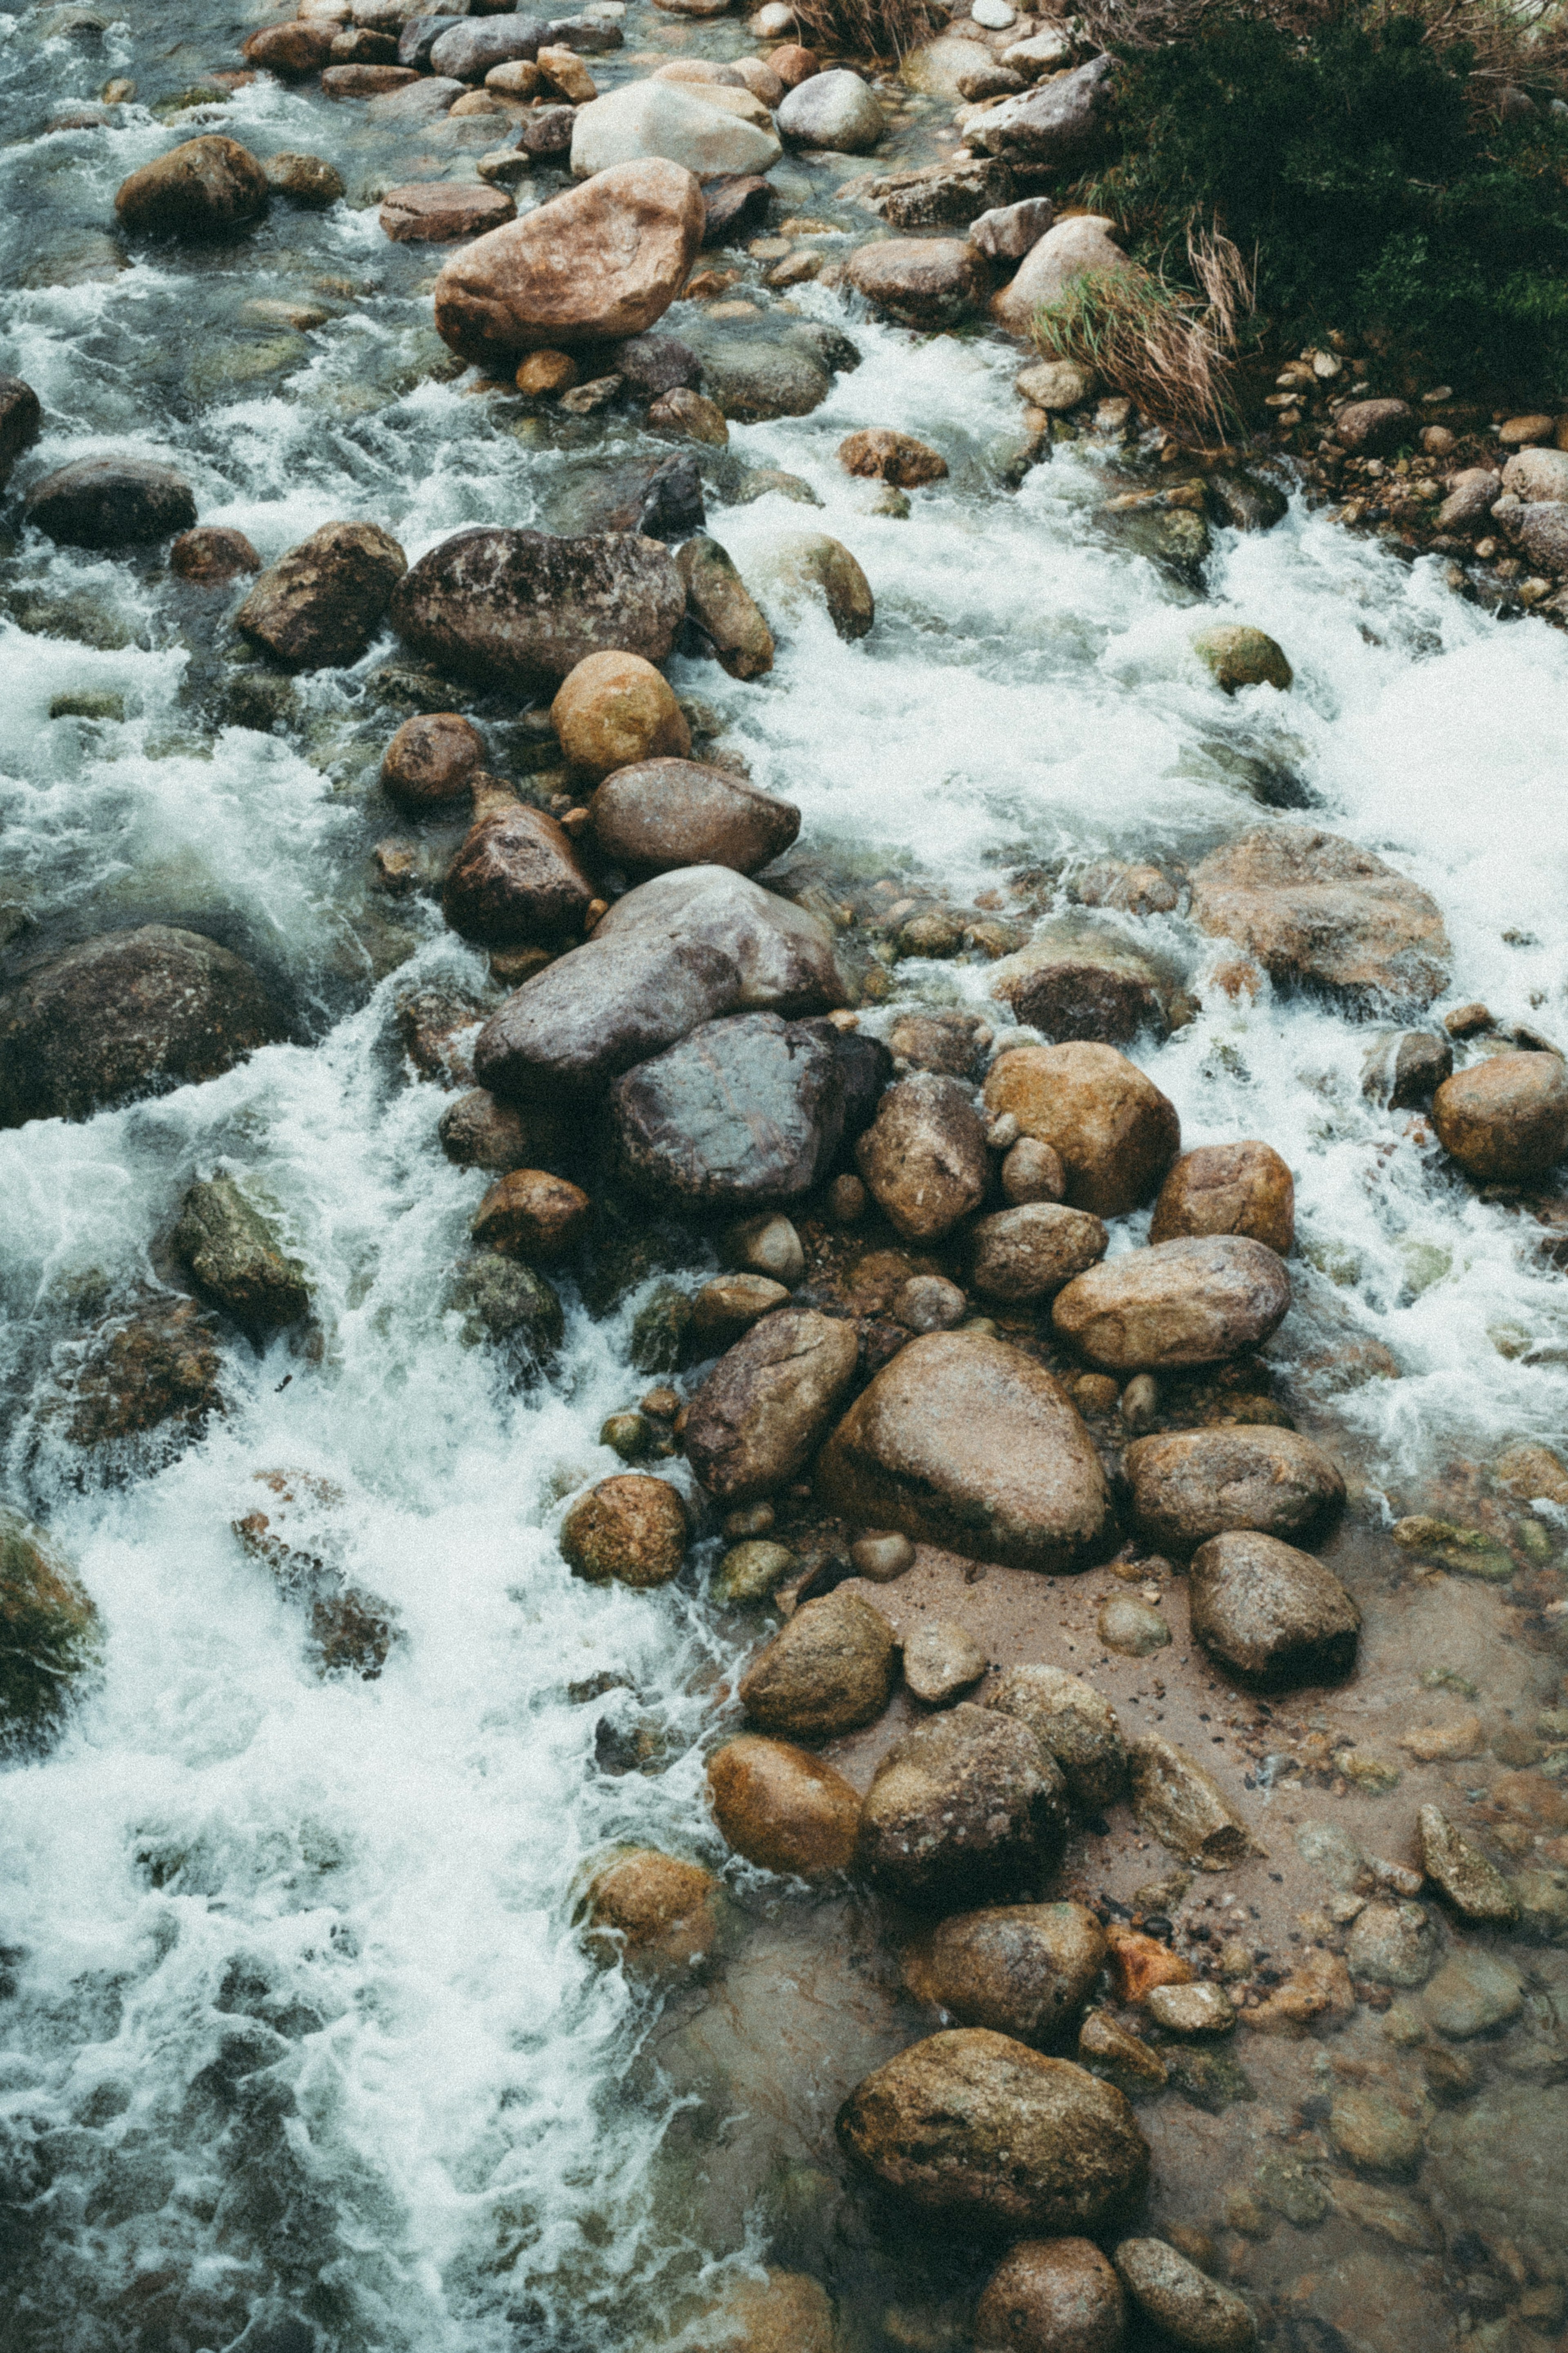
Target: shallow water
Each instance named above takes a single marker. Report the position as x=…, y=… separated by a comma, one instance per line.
x=470, y=2136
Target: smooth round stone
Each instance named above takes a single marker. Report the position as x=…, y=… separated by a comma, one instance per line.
x=1201, y=2009
x=882, y=1557
x=1051, y=2295
x=1134, y=1628
x=1193, y=2309
x=749, y=1572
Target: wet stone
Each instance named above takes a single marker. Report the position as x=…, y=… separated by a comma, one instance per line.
x=231, y=1249
x=1195, y=2311
x=1023, y=1969
x=1473, y=1993
x=1372, y=2129
x=1190, y=2010
x=782, y=1807
x=1460, y=1871
x=1132, y=1625
x=1270, y=1614
x=832, y=1668
x=1051, y=2295
x=510, y=1306
x=963, y=1808
x=1073, y=1721
x=1393, y=1945
x=1182, y=1805
x=631, y=1527
x=49, y=1633
x=749, y=1572
x=942, y=1662
x=1111, y=2050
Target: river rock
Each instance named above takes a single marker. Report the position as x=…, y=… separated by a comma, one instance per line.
x=1008, y=232
x=1393, y=1945
x=751, y=382
x=942, y=1662
x=658, y=814
x=978, y=2126
x=1319, y=913
x=1115, y=1132
x=1497, y=2167
x=1374, y=428
x=673, y=120
x=233, y=1256
x=468, y=50
x=810, y=567
x=790, y=2313
x=1228, y=1188
x=888, y=457
x=1029, y=1252
x=412, y=103
x=600, y=263
x=1177, y=1304
x=292, y=51
x=1198, y=2011
x=307, y=180
x=511, y=1307
x=1460, y=1871
x=1060, y=124
x=1472, y=495
x=722, y=1310
x=532, y=1215
x=1237, y=656
x=1536, y=475
x=1031, y=1171
x=1176, y=1801
x=111, y=502
x=1181, y=2300
x=653, y=1906
x=762, y=1411
x=782, y=1807
x=21, y=422
x=938, y=195
x=1051, y=2295
x=832, y=1668
x=631, y=1527
x=965, y=1806
x=213, y=556
x=923, y=281
x=434, y=211
x=1269, y=1614
x=963, y=1441
x=365, y=81
x=49, y=1634
x=1505, y=1120
x=322, y=604
x=720, y=606
x=1374, y=2128
x=201, y=188
x=836, y=110
x=1081, y=986
x=1083, y=245
x=1024, y=1969
x=1473, y=1993
x=516, y=607
x=1055, y=385
x=126, y=1014
x=432, y=758
x=615, y=708
x=1073, y=1723
x=1191, y=1484
x=516, y=878
x=924, y=1156
x=743, y=1111
x=478, y=1132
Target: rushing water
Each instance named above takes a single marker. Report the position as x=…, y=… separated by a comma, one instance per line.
x=228, y=1860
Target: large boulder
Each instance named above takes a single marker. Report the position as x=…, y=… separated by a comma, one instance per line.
x=1374, y=428
x=322, y=603
x=674, y=952
x=201, y=188
x=832, y=1668
x=1115, y=1132
x=111, y=502
x=1191, y=1484
x=1083, y=245
x=965, y=1806
x=920, y=281
x=50, y=1633
x=1269, y=1614
x=658, y=814
x=127, y=1014
x=1228, y=1188
x=1025, y=1970
x=1505, y=1120
x=601, y=262
x=1180, y=1303
x=1321, y=915
x=743, y=1112
x=836, y=110
x=1051, y=2295
x=964, y=1441
x=762, y=1410
x=1073, y=1723
x=1030, y=1251
x=231, y=1251
x=521, y=608
x=1058, y=126
x=673, y=120
x=292, y=51
x=782, y=1807
x=753, y=381
x=980, y=2127
x=924, y=1157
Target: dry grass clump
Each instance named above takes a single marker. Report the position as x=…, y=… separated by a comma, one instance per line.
x=868, y=28
x=1171, y=350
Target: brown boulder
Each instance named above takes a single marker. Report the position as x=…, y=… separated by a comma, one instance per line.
x=532, y=1215
x=1114, y=1131
x=1024, y=1969
x=213, y=556
x=1030, y=1251
x=615, y=708
x=922, y=282
x=478, y=1132
x=1269, y=1614
x=650, y=1905
x=1191, y=1484
x=890, y=456
x=203, y=189
x=516, y=878
x=782, y=1807
x=1051, y=2295
x=833, y=1667
x=1228, y=1188
x=924, y=1156
x=512, y=607
x=658, y=814
x=630, y=1527
x=1505, y=1120
x=964, y=1441
x=1180, y=1303
x=434, y=212
x=1319, y=913
x=322, y=604
x=597, y=264
x=1073, y=1723
x=975, y=2125
x=965, y=1806
x=292, y=51
x=767, y=1402
x=1375, y=428
x=432, y=758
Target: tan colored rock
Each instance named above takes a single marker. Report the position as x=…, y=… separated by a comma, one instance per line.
x=1024, y=1969
x=890, y=456
x=1029, y=1252
x=1269, y=1614
x=563, y=71
x=832, y=1667
x=810, y=567
x=1193, y=2309
x=1199, y=2010
x=602, y=262
x=964, y=1441
x=1473, y=1885
x=614, y=709
x=630, y=1527
x=1033, y=1171
x=1075, y=1723
x=1114, y=1132
x=432, y=758
x=1083, y=245
x=1191, y=1484
x=721, y=605
x=942, y=1662
x=924, y=1156
x=1182, y=1805
x=545, y=374
x=1180, y=1303
x=1111, y=2050
x=789, y=2313
x=1318, y=912
x=1056, y=386
x=964, y=1808
x=1081, y=982
x=1237, y=656
x=292, y=51
x=436, y=212
x=1505, y=1120
x=922, y=282
x=478, y=1132
x=975, y=2125
x=767, y=1402
x=782, y=1807
x=1317, y=1988
x=651, y=1905
x=692, y=416
x=1051, y=2295
x=724, y=1309
x=1228, y=1188
x=531, y=1215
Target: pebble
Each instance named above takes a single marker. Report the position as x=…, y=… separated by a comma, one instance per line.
x=1199, y=2009
x=943, y=1661
x=1130, y=1625
x=882, y=1557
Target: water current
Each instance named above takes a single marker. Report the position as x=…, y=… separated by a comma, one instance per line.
x=469, y=2135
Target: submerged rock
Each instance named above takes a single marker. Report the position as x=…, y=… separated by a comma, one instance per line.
x=1024, y=1969
x=1393, y=1945
x=1176, y=1801
x=1194, y=2310
x=782, y=1807
x=511, y=1306
x=49, y=1634
x=1475, y=1887
x=154, y=1369
x=831, y=1669
x=1472, y=1993
x=1073, y=1723
x=1270, y=1614
x=764, y=1407
x=521, y=608
x=653, y=1907
x=1116, y=1135
x=965, y=1806
x=233, y=1256
x=1191, y=1484
x=1177, y=1304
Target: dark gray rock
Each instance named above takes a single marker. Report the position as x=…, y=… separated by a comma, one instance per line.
x=964, y=1807
x=516, y=878
x=127, y=1014
x=1269, y=1614
x=751, y=382
x=420, y=35
x=1058, y=123
x=1247, y=501
x=650, y=365
x=737, y=205
x=518, y=606
x=742, y=1112
x=111, y=502
x=233, y=1256
x=511, y=1307
x=1404, y=1068
x=468, y=49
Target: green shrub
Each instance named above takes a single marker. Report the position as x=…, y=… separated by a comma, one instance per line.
x=1346, y=161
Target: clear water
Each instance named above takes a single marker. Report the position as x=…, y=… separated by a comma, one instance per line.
x=468, y=2139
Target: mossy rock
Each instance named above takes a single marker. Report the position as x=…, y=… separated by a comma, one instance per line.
x=1468, y=1551
x=509, y=1305
x=659, y=1329
x=50, y=1633
x=1237, y=656
x=233, y=1257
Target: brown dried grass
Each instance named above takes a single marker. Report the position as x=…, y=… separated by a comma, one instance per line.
x=868, y=28
x=1171, y=350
